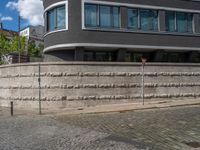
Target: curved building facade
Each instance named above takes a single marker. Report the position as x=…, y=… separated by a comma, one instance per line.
x=122, y=30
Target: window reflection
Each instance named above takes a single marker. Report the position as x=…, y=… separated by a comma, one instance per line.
x=170, y=21
x=91, y=12
x=101, y=16
x=61, y=17
x=143, y=19
x=133, y=18
x=56, y=18
x=51, y=18
x=105, y=16
x=179, y=22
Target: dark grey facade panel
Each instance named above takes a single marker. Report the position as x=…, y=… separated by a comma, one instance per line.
x=123, y=36
x=165, y=3
x=59, y=55
x=68, y=37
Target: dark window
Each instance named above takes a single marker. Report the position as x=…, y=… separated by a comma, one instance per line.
x=184, y=22
x=170, y=21
x=179, y=22
x=99, y=56
x=136, y=56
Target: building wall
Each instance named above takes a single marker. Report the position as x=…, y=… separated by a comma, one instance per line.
x=25, y=32
x=123, y=37
x=75, y=84
x=37, y=32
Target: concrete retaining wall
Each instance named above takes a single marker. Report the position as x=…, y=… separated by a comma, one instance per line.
x=74, y=84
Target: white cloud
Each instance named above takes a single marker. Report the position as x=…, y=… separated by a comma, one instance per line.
x=6, y=18
x=12, y=5
x=31, y=10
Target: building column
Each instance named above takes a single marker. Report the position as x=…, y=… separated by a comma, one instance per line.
x=124, y=17
x=121, y=54
x=161, y=21
x=193, y=57
x=79, y=54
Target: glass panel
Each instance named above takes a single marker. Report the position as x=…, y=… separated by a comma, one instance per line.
x=181, y=22
x=128, y=57
x=170, y=21
x=50, y=20
x=133, y=18
x=61, y=17
x=89, y=56
x=190, y=22
x=144, y=16
x=112, y=56
x=154, y=16
x=136, y=57
x=173, y=57
x=105, y=16
x=149, y=19
x=101, y=56
x=116, y=17
x=91, y=13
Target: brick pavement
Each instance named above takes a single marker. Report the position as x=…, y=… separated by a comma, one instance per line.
x=163, y=129
x=157, y=129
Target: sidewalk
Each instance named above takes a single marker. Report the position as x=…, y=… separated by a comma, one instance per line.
x=105, y=108
x=126, y=107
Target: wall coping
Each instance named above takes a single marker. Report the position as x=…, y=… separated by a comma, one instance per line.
x=101, y=64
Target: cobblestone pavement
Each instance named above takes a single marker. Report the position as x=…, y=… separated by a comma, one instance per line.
x=165, y=129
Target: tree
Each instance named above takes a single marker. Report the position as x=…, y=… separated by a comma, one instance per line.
x=14, y=44
x=8, y=46
x=33, y=50
x=4, y=45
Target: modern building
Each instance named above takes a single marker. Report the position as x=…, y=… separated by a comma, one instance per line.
x=33, y=33
x=122, y=30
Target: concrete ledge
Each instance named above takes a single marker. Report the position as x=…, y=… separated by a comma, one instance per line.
x=100, y=63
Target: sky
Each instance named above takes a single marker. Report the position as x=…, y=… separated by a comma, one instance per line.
x=31, y=13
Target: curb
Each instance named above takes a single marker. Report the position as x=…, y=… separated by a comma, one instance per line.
x=127, y=107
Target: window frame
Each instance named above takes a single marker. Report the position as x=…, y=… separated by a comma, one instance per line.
x=139, y=21
x=112, y=23
x=97, y=15
x=139, y=6
x=54, y=6
x=186, y=22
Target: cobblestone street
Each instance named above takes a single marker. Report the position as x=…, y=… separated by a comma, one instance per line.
x=156, y=129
